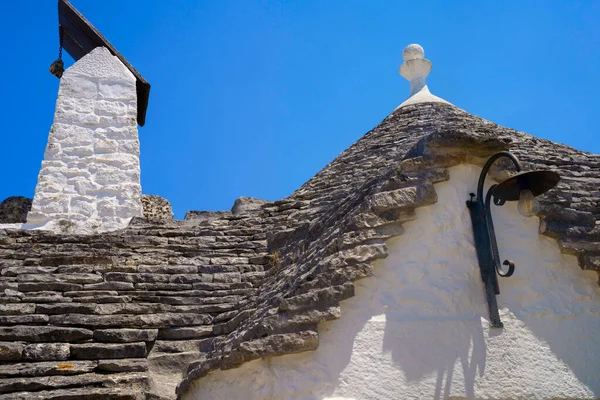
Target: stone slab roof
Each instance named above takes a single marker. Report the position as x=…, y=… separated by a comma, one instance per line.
x=146, y=311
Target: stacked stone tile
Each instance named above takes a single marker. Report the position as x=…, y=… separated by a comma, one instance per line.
x=93, y=314
x=123, y=315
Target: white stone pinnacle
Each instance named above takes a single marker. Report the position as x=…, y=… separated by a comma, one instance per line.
x=415, y=69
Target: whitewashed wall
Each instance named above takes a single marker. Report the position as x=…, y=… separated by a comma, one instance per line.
x=418, y=329
x=90, y=176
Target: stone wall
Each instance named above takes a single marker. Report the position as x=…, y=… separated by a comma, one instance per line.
x=419, y=325
x=156, y=208
x=90, y=175
x=14, y=209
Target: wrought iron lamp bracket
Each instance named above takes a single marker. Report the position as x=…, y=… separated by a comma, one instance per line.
x=523, y=186
x=485, y=237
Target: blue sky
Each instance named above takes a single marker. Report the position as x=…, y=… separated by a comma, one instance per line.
x=252, y=98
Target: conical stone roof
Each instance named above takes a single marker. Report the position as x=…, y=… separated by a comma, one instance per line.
x=362, y=198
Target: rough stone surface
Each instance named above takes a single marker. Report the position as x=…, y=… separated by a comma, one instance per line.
x=46, y=351
x=156, y=208
x=44, y=334
x=125, y=335
x=46, y=368
x=14, y=210
x=11, y=351
x=247, y=205
x=96, y=351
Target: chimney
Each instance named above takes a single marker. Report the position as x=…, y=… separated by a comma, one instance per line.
x=90, y=176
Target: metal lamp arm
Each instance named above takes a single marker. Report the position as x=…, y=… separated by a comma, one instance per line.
x=493, y=243
x=487, y=167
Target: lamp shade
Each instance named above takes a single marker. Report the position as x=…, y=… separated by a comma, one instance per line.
x=537, y=181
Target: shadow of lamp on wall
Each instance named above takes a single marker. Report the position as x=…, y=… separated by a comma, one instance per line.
x=524, y=187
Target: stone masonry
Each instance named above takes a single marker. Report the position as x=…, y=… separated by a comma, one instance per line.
x=90, y=175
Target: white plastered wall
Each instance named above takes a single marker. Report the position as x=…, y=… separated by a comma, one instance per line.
x=90, y=175
x=418, y=329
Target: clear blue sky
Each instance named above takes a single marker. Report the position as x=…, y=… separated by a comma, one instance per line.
x=252, y=98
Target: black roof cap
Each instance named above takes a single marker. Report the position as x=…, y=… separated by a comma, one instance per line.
x=80, y=38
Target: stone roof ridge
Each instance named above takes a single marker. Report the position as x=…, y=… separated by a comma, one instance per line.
x=415, y=69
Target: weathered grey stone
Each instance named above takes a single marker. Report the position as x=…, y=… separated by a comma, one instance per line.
x=125, y=335
x=71, y=278
x=227, y=277
x=229, y=260
x=96, y=351
x=211, y=269
x=57, y=382
x=11, y=351
x=191, y=332
x=163, y=286
x=125, y=365
x=187, y=278
x=58, y=298
x=87, y=393
x=44, y=334
x=181, y=346
x=366, y=220
x=23, y=319
x=318, y=298
x=104, y=299
x=363, y=253
x=222, y=286
x=264, y=259
x=247, y=205
x=17, y=309
x=168, y=269
x=131, y=321
x=108, y=286
x=156, y=208
x=87, y=293
x=412, y=196
x=49, y=286
x=13, y=210
x=47, y=368
x=65, y=308
x=15, y=271
x=253, y=277
x=353, y=238
x=203, y=216
x=225, y=316
x=287, y=343
x=46, y=351
x=138, y=277
x=123, y=308
x=8, y=285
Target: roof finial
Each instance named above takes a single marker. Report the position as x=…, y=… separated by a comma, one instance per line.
x=415, y=68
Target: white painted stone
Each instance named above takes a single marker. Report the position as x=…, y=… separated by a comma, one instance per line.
x=90, y=177
x=418, y=329
x=415, y=69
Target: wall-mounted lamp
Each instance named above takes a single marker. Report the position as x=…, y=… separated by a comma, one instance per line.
x=524, y=186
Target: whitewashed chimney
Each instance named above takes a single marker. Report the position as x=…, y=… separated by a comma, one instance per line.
x=90, y=177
